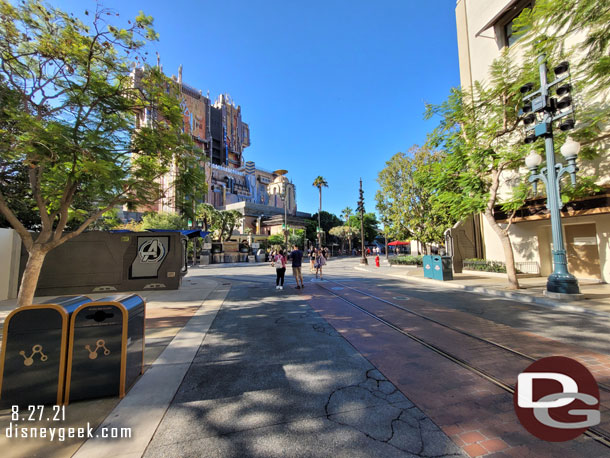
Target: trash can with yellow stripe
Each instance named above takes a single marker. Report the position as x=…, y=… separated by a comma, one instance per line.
x=34, y=351
x=106, y=347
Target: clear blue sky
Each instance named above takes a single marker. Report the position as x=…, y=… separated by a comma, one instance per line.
x=331, y=88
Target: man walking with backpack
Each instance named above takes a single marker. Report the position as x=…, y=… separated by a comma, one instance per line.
x=297, y=257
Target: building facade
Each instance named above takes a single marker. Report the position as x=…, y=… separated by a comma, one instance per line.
x=484, y=29
x=218, y=130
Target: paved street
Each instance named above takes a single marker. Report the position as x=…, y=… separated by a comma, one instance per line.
x=360, y=364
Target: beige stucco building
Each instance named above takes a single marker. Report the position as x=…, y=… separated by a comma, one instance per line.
x=484, y=29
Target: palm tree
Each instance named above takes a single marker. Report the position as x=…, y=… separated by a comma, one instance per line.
x=320, y=182
x=347, y=213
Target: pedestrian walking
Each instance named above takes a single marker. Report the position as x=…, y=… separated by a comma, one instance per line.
x=279, y=261
x=320, y=262
x=312, y=259
x=297, y=257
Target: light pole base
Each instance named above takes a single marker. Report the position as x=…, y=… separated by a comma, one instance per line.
x=564, y=297
x=364, y=261
x=562, y=284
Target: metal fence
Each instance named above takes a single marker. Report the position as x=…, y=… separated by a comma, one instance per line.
x=529, y=267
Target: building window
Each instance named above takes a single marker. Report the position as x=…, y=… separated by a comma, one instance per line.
x=510, y=36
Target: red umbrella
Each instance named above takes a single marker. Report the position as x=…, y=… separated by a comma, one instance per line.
x=398, y=242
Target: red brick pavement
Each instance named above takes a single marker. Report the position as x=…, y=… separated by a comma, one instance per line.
x=500, y=363
x=474, y=412
x=525, y=342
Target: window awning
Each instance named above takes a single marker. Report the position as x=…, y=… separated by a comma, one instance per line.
x=495, y=19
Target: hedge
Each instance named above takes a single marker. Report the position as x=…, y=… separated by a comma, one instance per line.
x=407, y=260
x=484, y=265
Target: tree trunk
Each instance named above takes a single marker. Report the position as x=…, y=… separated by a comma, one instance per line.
x=507, y=246
x=504, y=238
x=29, y=280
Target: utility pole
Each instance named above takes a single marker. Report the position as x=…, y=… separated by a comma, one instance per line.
x=363, y=260
x=385, y=234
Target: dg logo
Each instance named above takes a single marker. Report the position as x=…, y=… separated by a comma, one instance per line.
x=557, y=399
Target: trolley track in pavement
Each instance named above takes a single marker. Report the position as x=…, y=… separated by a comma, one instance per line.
x=600, y=435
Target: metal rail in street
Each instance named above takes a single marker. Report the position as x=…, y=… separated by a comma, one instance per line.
x=598, y=435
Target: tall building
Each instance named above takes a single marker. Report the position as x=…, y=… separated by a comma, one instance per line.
x=484, y=30
x=232, y=182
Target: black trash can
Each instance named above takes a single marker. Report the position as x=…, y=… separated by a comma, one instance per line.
x=34, y=351
x=106, y=347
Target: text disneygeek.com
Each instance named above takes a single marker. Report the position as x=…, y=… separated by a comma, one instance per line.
x=61, y=433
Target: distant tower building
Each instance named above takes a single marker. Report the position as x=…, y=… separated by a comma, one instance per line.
x=218, y=131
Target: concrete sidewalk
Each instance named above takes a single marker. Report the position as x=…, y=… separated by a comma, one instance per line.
x=596, y=299
x=272, y=378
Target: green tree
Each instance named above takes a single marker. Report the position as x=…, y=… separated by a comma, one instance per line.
x=296, y=238
x=108, y=221
x=407, y=197
x=310, y=229
x=370, y=225
x=72, y=122
x=341, y=233
x=162, y=221
x=327, y=220
x=479, y=126
x=226, y=223
x=548, y=29
x=209, y=216
x=550, y=23
x=478, y=131
x=190, y=184
x=346, y=213
x=320, y=182
x=276, y=240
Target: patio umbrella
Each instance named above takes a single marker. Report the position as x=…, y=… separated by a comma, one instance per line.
x=398, y=242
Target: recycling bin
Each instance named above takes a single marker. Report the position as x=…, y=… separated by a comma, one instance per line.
x=106, y=347
x=438, y=267
x=34, y=350
x=428, y=265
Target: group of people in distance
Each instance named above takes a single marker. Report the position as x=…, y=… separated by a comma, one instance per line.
x=279, y=260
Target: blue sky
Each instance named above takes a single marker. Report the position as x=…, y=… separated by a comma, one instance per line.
x=331, y=88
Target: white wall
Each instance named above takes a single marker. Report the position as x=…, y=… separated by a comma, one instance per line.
x=10, y=252
x=531, y=241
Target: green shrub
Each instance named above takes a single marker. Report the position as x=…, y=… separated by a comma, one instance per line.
x=407, y=260
x=483, y=265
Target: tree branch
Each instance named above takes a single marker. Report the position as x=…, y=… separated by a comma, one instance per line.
x=26, y=237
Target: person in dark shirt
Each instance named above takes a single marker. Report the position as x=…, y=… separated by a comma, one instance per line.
x=297, y=257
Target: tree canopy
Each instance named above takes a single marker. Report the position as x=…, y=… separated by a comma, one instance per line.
x=68, y=123
x=407, y=199
x=371, y=226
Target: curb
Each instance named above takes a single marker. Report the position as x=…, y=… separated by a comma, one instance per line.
x=504, y=294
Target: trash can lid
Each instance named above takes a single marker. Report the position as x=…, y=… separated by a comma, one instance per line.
x=69, y=303
x=128, y=301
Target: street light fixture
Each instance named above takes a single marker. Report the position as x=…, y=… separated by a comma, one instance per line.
x=560, y=283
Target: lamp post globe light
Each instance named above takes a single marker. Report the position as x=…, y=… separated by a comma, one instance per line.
x=539, y=112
